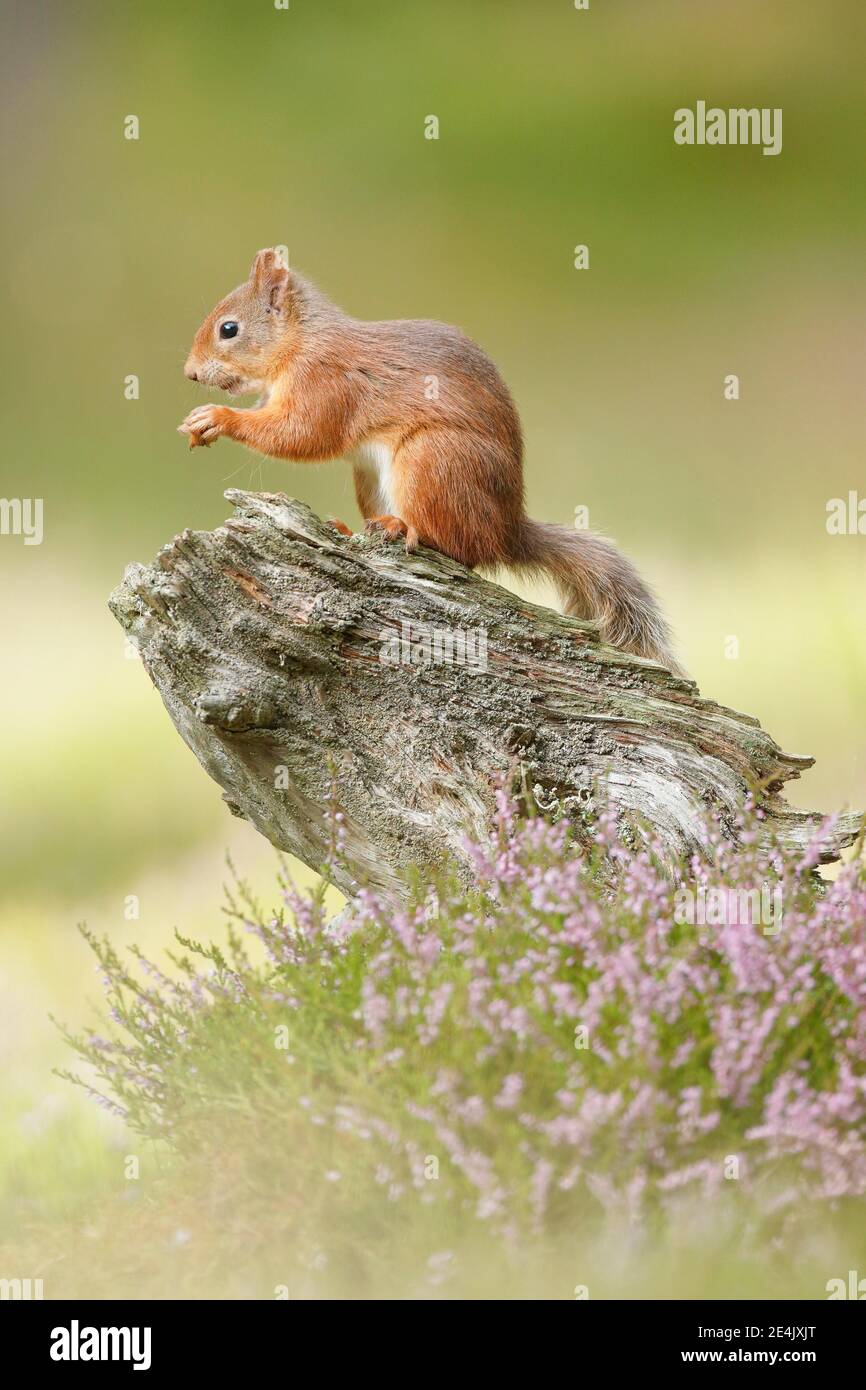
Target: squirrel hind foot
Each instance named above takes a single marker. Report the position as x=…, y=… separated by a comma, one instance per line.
x=394, y=527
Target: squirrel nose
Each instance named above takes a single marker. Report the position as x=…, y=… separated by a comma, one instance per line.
x=190, y=372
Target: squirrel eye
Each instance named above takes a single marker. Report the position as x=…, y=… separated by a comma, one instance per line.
x=229, y=329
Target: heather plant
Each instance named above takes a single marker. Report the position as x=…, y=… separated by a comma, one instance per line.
x=556, y=1044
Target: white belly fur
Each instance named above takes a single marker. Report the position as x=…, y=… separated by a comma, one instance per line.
x=375, y=458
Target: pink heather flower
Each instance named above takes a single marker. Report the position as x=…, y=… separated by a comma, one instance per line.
x=703, y=1039
x=539, y=1186
x=471, y=1111
x=510, y=1093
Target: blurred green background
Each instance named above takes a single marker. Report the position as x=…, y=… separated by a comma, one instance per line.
x=306, y=127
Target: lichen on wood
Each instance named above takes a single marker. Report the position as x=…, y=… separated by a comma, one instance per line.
x=312, y=674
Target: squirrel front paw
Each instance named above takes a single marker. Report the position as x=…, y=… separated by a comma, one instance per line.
x=205, y=424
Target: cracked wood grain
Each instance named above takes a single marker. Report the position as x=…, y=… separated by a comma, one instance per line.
x=278, y=647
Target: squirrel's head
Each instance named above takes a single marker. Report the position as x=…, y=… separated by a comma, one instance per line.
x=234, y=348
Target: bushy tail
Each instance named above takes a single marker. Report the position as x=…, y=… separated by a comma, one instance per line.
x=596, y=581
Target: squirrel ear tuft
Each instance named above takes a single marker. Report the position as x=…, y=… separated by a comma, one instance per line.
x=270, y=275
x=263, y=263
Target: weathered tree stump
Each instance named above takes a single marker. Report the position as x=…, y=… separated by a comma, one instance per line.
x=308, y=671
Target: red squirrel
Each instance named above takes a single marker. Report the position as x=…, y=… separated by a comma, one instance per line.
x=431, y=430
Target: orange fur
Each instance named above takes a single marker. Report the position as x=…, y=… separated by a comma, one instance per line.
x=429, y=422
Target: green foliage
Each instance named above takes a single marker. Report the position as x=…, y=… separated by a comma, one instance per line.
x=419, y=1074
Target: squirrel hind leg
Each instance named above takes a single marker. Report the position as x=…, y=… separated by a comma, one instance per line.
x=460, y=493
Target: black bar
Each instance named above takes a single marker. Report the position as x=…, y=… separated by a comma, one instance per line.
x=240, y=1336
